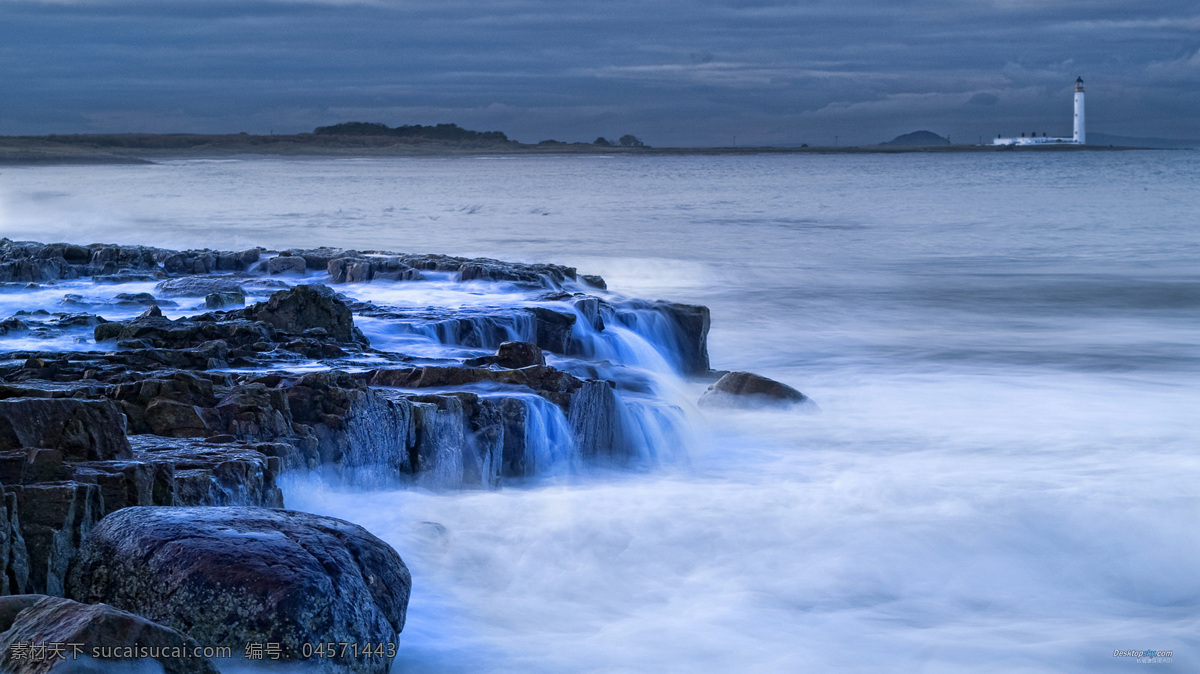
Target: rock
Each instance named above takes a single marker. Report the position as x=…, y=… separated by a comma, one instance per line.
x=554, y=329
x=82, y=429
x=747, y=389
x=237, y=575
x=241, y=261
x=225, y=298
x=286, y=264
x=594, y=281
x=515, y=355
x=54, y=519
x=175, y=419
x=512, y=355
x=692, y=322
x=10, y=606
x=349, y=270
x=101, y=632
x=198, y=286
x=141, y=299
x=305, y=307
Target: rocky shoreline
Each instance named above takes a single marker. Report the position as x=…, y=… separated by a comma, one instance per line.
x=140, y=454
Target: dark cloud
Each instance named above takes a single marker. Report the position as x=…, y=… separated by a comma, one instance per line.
x=680, y=72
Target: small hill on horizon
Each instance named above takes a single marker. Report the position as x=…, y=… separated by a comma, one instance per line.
x=918, y=139
x=439, y=132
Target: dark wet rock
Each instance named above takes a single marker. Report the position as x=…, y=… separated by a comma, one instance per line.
x=594, y=416
x=285, y=263
x=11, y=606
x=362, y=269
x=82, y=429
x=349, y=270
x=31, y=465
x=519, y=354
x=317, y=259
x=691, y=322
x=512, y=355
x=198, y=286
x=208, y=474
x=593, y=281
x=746, y=388
x=38, y=619
x=305, y=307
x=357, y=430
x=237, y=261
x=225, y=298
x=236, y=575
x=14, y=556
x=54, y=518
x=549, y=382
x=175, y=419
x=141, y=299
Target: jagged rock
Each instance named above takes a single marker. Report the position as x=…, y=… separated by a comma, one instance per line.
x=236, y=575
x=362, y=269
x=206, y=474
x=360, y=432
x=82, y=429
x=96, y=629
x=286, y=264
x=305, y=307
x=747, y=388
x=225, y=298
x=14, y=556
x=54, y=519
x=198, y=286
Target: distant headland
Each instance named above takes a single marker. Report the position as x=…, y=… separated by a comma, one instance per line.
x=372, y=139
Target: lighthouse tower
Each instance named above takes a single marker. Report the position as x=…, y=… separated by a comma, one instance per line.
x=1080, y=135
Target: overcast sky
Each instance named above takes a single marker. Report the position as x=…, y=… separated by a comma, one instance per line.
x=673, y=72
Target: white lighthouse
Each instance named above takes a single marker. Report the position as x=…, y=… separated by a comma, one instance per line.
x=1078, y=138
x=1080, y=134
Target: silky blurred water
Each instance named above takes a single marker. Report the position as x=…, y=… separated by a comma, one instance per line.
x=1005, y=349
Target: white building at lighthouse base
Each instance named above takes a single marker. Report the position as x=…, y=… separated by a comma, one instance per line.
x=1034, y=140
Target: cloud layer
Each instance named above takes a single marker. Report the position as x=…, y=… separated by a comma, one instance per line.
x=674, y=72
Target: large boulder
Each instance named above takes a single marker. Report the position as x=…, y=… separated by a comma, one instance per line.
x=96, y=631
x=744, y=389
x=305, y=307
x=232, y=576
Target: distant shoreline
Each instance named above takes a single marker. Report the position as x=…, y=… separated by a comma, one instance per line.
x=84, y=149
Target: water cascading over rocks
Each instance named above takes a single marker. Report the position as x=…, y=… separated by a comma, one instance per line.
x=194, y=379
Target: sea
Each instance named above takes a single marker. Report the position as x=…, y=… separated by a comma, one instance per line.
x=1001, y=472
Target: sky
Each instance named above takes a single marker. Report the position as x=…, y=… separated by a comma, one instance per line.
x=672, y=72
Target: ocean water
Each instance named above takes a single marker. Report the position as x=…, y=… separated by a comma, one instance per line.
x=1005, y=349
